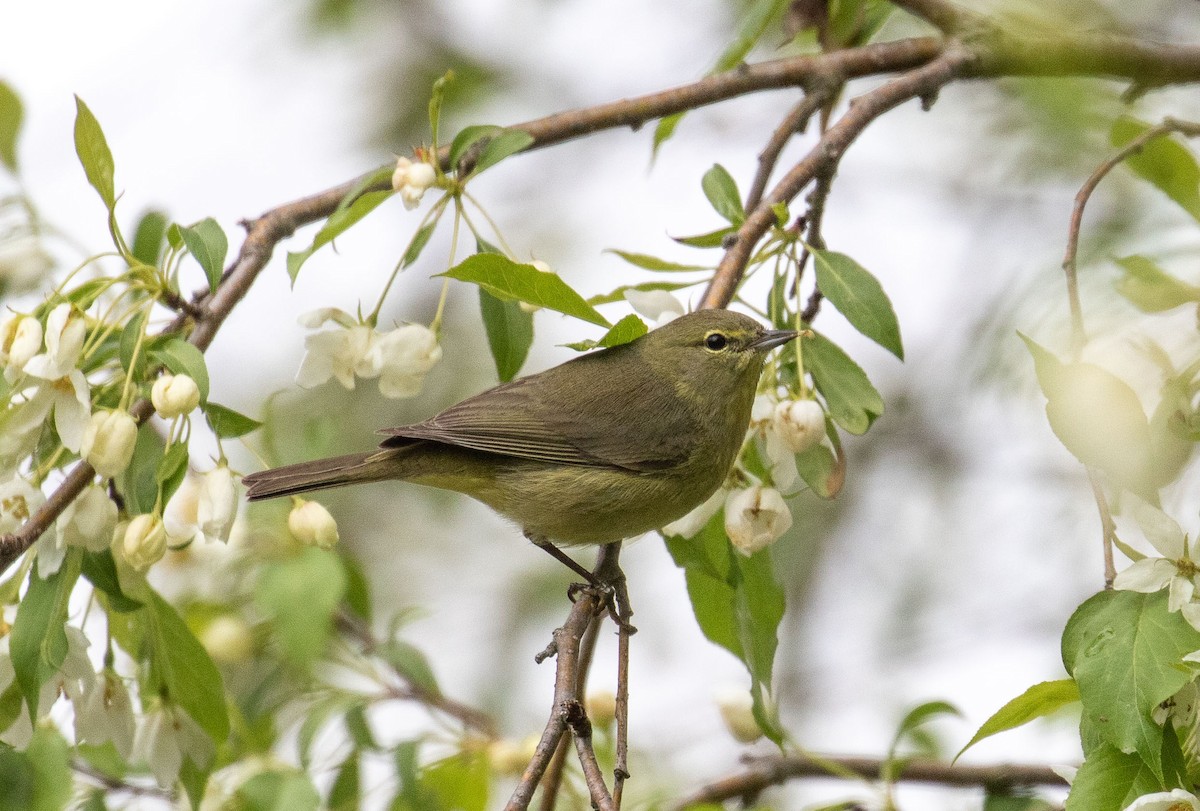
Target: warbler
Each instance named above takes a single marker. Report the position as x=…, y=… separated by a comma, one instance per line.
x=604, y=447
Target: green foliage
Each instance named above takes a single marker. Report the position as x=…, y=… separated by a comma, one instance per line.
x=208, y=245
x=227, y=423
x=182, y=358
x=1040, y=700
x=357, y=204
x=148, y=237
x=38, y=645
x=510, y=281
x=509, y=332
x=501, y=146
x=301, y=593
x=278, y=791
x=94, y=154
x=1164, y=162
x=851, y=399
x=722, y=193
x=460, y=781
x=1151, y=289
x=647, y=262
x=858, y=295
x=38, y=779
x=627, y=329
x=12, y=115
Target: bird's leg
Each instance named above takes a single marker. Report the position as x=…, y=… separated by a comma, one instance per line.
x=566, y=560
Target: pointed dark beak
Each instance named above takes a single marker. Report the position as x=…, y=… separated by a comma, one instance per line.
x=773, y=338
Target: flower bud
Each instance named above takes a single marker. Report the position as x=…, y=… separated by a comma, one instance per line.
x=800, y=423
x=737, y=711
x=400, y=174
x=412, y=179
x=312, y=525
x=228, y=639
x=755, y=518
x=88, y=521
x=64, y=334
x=421, y=175
x=174, y=395
x=20, y=340
x=601, y=706
x=108, y=442
x=145, y=541
x=217, y=505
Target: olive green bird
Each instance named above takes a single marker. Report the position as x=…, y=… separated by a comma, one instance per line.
x=604, y=447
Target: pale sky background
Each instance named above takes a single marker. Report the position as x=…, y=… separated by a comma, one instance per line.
x=948, y=583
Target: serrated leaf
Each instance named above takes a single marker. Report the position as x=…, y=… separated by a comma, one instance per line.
x=148, y=237
x=1125, y=652
x=468, y=137
x=301, y=594
x=182, y=669
x=858, y=295
x=1040, y=700
x=851, y=399
x=505, y=279
x=507, y=143
x=12, y=115
x=1164, y=162
x=94, y=154
x=208, y=245
x=509, y=333
x=722, y=193
x=38, y=641
x=227, y=423
x=183, y=358
x=647, y=262
x=1151, y=289
x=338, y=223
x=627, y=329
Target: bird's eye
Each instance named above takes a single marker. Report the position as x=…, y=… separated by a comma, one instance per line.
x=715, y=341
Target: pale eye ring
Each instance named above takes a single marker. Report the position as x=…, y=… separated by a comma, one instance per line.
x=715, y=341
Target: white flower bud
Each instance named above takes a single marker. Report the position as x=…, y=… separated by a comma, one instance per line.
x=145, y=541
x=404, y=356
x=400, y=175
x=737, y=711
x=421, y=175
x=174, y=395
x=412, y=179
x=65, y=331
x=312, y=525
x=601, y=706
x=755, y=518
x=20, y=340
x=108, y=442
x=106, y=714
x=800, y=423
x=217, y=505
x=88, y=521
x=228, y=639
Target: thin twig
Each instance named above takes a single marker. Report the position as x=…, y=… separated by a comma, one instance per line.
x=91, y=774
x=794, y=122
x=624, y=630
x=581, y=730
x=767, y=772
x=1108, y=530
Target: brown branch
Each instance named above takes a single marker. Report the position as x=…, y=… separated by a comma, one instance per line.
x=767, y=772
x=794, y=122
x=355, y=628
x=581, y=730
x=824, y=158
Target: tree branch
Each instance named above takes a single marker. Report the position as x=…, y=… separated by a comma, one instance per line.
x=767, y=772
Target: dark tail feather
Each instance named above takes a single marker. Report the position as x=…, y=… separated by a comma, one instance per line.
x=321, y=474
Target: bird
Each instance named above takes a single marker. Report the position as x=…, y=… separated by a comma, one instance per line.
x=604, y=447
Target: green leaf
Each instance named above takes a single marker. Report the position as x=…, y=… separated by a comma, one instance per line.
x=1165, y=162
x=1125, y=651
x=131, y=334
x=227, y=423
x=101, y=571
x=172, y=469
x=182, y=669
x=1015, y=802
x=38, y=645
x=301, y=594
x=94, y=154
x=619, y=293
x=148, y=237
x=344, y=793
x=183, y=358
x=208, y=245
x=1151, y=289
x=508, y=142
x=647, y=262
x=411, y=663
x=505, y=279
x=278, y=791
x=755, y=21
x=12, y=115
x=436, y=97
x=467, y=138
x=851, y=399
x=664, y=129
x=358, y=588
x=858, y=295
x=418, y=242
x=1109, y=780
x=713, y=239
x=338, y=223
x=139, y=482
x=1039, y=701
x=460, y=781
x=722, y=192
x=817, y=466
x=509, y=333
x=50, y=757
x=627, y=329
x=909, y=728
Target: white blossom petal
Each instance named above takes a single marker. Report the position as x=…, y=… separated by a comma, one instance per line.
x=1159, y=528
x=693, y=522
x=1146, y=575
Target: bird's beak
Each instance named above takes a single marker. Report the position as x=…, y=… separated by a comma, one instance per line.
x=773, y=338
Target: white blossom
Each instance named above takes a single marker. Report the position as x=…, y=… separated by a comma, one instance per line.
x=799, y=423
x=404, y=356
x=411, y=179
x=780, y=459
x=694, y=521
x=312, y=525
x=166, y=734
x=1174, y=571
x=105, y=713
x=108, y=442
x=342, y=354
x=217, y=506
x=18, y=500
x=145, y=541
x=1174, y=800
x=174, y=395
x=755, y=517
x=87, y=522
x=657, y=305
x=20, y=340
x=64, y=335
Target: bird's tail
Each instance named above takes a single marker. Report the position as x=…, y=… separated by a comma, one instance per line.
x=321, y=474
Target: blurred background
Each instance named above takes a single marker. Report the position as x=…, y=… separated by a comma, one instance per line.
x=965, y=534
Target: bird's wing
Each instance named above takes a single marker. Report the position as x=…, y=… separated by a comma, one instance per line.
x=551, y=417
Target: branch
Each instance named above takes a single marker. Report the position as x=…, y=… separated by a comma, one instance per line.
x=767, y=772
x=824, y=158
